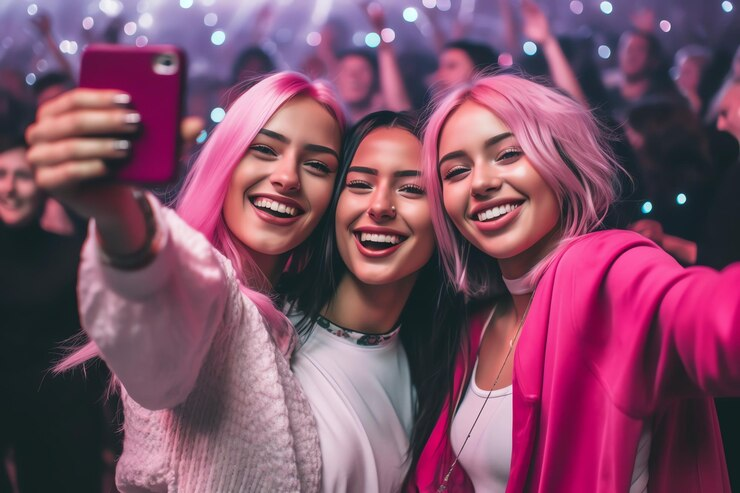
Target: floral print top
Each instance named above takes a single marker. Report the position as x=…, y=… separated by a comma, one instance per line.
x=359, y=338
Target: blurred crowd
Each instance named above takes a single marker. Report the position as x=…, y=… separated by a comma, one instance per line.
x=673, y=121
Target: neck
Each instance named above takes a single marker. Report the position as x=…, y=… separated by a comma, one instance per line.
x=271, y=266
x=517, y=266
x=373, y=309
x=635, y=86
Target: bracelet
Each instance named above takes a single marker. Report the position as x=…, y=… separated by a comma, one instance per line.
x=144, y=255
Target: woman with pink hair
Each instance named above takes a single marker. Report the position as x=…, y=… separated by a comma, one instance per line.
x=178, y=302
x=590, y=357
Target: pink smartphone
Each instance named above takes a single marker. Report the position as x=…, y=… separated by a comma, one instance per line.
x=154, y=76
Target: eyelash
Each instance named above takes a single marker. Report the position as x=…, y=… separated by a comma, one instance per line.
x=319, y=166
x=411, y=188
x=269, y=151
x=408, y=188
x=263, y=149
x=511, y=152
x=358, y=184
x=457, y=170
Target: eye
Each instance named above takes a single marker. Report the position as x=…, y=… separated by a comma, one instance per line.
x=412, y=188
x=263, y=149
x=510, y=154
x=455, y=172
x=359, y=185
x=318, y=167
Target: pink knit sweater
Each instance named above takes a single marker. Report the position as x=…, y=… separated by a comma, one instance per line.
x=210, y=402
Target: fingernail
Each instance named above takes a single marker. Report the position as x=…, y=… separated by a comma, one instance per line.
x=122, y=145
x=132, y=118
x=122, y=99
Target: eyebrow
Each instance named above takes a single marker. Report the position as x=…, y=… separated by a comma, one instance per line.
x=374, y=172
x=492, y=141
x=309, y=147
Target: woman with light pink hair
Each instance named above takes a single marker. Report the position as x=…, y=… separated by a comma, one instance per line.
x=591, y=355
x=179, y=303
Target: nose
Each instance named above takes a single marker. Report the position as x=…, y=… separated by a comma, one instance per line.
x=285, y=177
x=486, y=179
x=381, y=208
x=722, y=123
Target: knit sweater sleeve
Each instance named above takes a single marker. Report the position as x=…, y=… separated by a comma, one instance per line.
x=154, y=326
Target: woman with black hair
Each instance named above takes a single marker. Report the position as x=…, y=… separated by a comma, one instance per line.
x=365, y=312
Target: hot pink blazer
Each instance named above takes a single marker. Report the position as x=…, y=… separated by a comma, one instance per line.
x=617, y=333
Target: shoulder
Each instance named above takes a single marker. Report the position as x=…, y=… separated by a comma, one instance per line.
x=601, y=247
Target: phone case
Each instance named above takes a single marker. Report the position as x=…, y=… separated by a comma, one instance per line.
x=157, y=92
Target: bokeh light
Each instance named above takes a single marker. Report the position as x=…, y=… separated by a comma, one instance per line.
x=606, y=7
x=529, y=48
x=576, y=7
x=218, y=37
x=372, y=40
x=410, y=14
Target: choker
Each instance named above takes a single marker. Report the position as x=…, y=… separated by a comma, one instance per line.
x=520, y=285
x=359, y=338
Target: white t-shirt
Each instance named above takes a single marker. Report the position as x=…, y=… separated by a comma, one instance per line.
x=487, y=455
x=360, y=390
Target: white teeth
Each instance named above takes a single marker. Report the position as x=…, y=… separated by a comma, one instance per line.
x=379, y=238
x=273, y=205
x=495, y=212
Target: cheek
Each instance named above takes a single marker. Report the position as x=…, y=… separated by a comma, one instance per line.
x=318, y=192
x=27, y=190
x=454, y=199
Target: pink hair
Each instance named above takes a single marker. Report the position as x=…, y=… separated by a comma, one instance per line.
x=201, y=200
x=562, y=141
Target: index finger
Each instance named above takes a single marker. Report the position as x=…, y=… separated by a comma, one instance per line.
x=82, y=98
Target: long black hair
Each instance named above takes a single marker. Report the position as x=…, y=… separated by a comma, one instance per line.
x=431, y=318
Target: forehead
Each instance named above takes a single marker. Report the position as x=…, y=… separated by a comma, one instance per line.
x=455, y=55
x=356, y=61
x=14, y=159
x=305, y=120
x=389, y=149
x=731, y=99
x=469, y=127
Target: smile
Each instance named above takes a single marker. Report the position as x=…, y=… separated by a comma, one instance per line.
x=378, y=244
x=495, y=212
x=275, y=208
x=375, y=241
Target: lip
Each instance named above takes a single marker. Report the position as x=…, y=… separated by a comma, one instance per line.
x=377, y=253
x=269, y=218
x=497, y=224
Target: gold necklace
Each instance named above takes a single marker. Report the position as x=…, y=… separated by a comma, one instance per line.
x=443, y=486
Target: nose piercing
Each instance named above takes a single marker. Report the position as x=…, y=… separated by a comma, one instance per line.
x=393, y=208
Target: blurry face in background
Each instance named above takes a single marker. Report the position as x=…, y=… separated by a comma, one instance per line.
x=634, y=55
x=355, y=80
x=455, y=67
x=689, y=73
x=20, y=200
x=383, y=222
x=729, y=112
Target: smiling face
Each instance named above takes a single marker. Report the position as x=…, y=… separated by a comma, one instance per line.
x=492, y=193
x=20, y=199
x=383, y=223
x=282, y=186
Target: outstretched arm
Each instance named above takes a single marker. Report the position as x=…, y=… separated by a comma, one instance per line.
x=392, y=87
x=536, y=27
